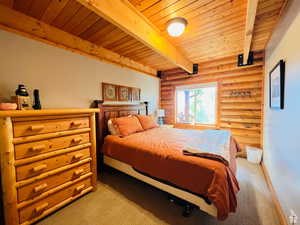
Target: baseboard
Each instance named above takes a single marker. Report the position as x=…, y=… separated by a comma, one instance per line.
x=282, y=217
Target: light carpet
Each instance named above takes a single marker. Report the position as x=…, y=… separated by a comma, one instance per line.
x=122, y=200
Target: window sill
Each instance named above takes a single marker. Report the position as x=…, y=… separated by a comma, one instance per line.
x=196, y=126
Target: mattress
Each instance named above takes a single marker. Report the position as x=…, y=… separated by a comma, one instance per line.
x=158, y=153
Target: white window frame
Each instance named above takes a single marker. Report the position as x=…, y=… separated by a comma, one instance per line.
x=196, y=86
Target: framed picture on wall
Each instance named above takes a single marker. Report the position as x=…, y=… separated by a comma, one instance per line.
x=276, y=79
x=136, y=94
x=124, y=93
x=109, y=92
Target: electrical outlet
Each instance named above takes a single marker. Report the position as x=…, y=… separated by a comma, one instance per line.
x=293, y=218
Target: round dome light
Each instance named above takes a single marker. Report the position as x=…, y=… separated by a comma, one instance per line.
x=176, y=26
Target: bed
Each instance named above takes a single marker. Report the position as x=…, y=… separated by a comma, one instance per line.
x=155, y=157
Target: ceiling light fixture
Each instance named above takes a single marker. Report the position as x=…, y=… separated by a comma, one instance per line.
x=176, y=26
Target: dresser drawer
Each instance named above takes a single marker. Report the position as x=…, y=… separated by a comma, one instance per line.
x=37, y=188
x=28, y=128
x=39, y=147
x=39, y=208
x=42, y=166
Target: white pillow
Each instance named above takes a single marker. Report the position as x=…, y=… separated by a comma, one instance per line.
x=111, y=128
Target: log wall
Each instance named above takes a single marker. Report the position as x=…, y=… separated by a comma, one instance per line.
x=239, y=101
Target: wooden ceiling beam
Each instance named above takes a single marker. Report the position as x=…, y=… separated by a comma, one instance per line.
x=123, y=15
x=250, y=19
x=16, y=22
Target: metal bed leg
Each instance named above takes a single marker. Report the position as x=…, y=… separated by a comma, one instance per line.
x=187, y=207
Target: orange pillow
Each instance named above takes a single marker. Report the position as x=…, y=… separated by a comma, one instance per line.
x=147, y=121
x=127, y=125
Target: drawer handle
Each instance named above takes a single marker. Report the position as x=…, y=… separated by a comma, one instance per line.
x=37, y=148
x=78, y=156
x=40, y=188
x=78, y=172
x=39, y=168
x=77, y=139
x=36, y=127
x=41, y=208
x=80, y=188
x=76, y=123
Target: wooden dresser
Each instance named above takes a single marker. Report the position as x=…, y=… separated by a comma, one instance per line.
x=48, y=159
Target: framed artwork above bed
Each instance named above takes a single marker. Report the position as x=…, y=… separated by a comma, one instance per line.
x=276, y=80
x=124, y=93
x=113, y=92
x=109, y=92
x=136, y=94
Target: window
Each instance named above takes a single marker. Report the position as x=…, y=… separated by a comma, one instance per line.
x=196, y=104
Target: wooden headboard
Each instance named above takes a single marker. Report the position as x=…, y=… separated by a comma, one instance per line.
x=108, y=111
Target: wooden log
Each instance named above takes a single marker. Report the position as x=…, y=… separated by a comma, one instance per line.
x=93, y=150
x=8, y=173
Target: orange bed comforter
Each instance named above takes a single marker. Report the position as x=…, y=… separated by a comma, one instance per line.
x=158, y=153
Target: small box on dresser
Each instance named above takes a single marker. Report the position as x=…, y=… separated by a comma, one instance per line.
x=48, y=159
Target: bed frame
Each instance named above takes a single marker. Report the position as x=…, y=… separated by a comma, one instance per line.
x=119, y=110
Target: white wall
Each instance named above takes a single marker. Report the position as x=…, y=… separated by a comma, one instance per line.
x=65, y=79
x=282, y=127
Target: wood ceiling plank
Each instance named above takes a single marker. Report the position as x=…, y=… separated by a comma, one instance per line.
x=93, y=29
x=229, y=40
x=85, y=24
x=8, y=3
x=208, y=30
x=262, y=16
x=119, y=42
x=125, y=45
x=147, y=54
x=143, y=5
x=217, y=49
x=222, y=33
x=250, y=19
x=14, y=21
x=180, y=8
x=23, y=5
x=38, y=8
x=132, y=47
x=209, y=24
x=211, y=13
x=198, y=12
x=270, y=7
x=101, y=33
x=266, y=3
x=136, y=51
x=112, y=37
x=53, y=10
x=135, y=2
x=66, y=13
x=280, y=9
x=124, y=16
x=158, y=7
x=216, y=17
x=77, y=19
